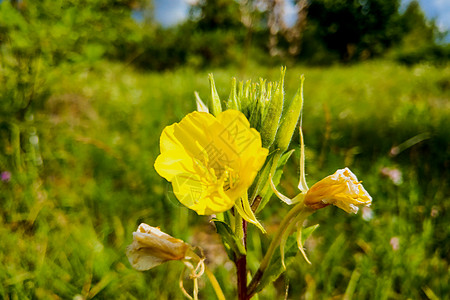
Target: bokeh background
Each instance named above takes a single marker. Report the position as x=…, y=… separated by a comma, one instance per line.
x=86, y=87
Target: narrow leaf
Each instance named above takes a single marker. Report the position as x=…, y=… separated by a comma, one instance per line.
x=231, y=242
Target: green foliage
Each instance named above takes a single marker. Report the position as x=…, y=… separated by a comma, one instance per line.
x=355, y=29
x=217, y=33
x=65, y=222
x=231, y=242
x=276, y=268
x=60, y=31
x=214, y=14
x=78, y=138
x=419, y=42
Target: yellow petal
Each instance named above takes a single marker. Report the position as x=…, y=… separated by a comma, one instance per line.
x=247, y=140
x=341, y=189
x=210, y=161
x=192, y=192
x=173, y=162
x=248, y=146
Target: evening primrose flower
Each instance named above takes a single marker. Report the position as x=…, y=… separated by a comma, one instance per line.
x=341, y=189
x=211, y=161
x=152, y=247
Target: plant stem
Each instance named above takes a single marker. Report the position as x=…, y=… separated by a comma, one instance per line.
x=273, y=245
x=241, y=267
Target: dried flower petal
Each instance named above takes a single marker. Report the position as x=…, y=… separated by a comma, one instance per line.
x=152, y=247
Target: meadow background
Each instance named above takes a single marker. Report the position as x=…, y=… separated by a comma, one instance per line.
x=86, y=87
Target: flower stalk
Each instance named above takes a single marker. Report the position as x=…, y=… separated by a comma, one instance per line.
x=298, y=210
x=241, y=266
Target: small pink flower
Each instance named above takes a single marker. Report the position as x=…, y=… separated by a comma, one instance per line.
x=395, y=243
x=395, y=175
x=6, y=176
x=367, y=213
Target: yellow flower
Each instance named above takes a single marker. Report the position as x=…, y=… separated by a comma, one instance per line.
x=210, y=161
x=341, y=189
x=152, y=247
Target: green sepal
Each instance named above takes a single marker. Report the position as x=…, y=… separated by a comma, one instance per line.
x=244, y=98
x=266, y=192
x=306, y=232
x=276, y=268
x=233, y=100
x=261, y=180
x=233, y=245
x=214, y=104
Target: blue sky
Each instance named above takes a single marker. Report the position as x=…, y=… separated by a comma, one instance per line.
x=170, y=12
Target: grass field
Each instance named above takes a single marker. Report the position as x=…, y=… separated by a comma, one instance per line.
x=82, y=179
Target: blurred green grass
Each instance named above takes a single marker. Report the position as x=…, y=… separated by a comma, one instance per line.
x=82, y=179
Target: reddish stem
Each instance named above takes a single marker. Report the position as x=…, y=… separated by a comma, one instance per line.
x=241, y=267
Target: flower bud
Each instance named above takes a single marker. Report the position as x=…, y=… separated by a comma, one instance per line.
x=273, y=115
x=341, y=189
x=290, y=120
x=233, y=102
x=152, y=247
x=214, y=105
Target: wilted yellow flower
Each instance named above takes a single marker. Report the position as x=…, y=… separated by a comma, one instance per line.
x=152, y=247
x=341, y=189
x=210, y=161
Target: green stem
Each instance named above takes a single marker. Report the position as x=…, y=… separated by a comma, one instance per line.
x=241, y=266
x=238, y=227
x=273, y=245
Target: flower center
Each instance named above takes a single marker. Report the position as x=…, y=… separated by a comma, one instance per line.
x=215, y=171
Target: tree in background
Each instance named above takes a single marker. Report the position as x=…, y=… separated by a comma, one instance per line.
x=217, y=32
x=37, y=36
x=421, y=38
x=354, y=29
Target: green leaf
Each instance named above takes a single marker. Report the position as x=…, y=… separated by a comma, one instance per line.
x=276, y=267
x=233, y=245
x=306, y=232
